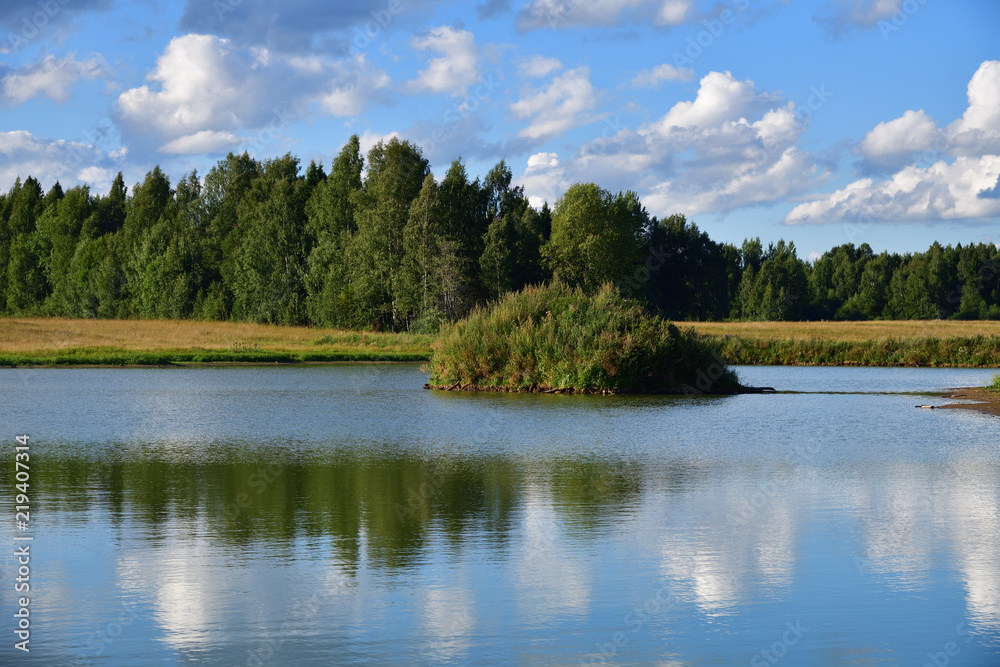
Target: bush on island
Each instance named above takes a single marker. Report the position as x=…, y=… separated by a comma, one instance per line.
x=554, y=338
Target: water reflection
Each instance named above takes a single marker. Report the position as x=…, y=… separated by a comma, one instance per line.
x=519, y=530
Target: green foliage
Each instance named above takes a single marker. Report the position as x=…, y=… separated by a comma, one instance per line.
x=596, y=237
x=996, y=383
x=557, y=337
x=976, y=351
x=380, y=243
x=396, y=173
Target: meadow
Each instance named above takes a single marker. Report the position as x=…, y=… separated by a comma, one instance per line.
x=61, y=341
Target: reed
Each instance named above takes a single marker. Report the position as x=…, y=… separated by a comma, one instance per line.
x=974, y=351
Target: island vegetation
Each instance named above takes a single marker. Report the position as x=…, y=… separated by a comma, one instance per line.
x=556, y=338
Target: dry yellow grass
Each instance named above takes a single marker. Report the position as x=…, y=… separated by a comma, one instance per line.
x=848, y=331
x=20, y=335
x=38, y=334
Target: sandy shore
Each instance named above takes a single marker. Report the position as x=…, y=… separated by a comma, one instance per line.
x=986, y=400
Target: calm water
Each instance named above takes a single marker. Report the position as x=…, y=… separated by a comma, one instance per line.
x=341, y=515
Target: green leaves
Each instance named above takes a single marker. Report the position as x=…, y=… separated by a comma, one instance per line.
x=596, y=237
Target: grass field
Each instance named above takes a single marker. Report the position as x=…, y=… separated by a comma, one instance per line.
x=117, y=342
x=849, y=331
x=57, y=341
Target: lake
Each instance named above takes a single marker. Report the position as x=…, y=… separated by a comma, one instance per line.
x=333, y=515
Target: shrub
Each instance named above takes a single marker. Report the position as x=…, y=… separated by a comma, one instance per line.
x=556, y=338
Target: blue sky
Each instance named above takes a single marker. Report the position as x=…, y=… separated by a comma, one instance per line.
x=817, y=121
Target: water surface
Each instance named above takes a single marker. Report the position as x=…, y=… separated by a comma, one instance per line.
x=341, y=514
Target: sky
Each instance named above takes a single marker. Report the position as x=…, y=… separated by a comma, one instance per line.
x=820, y=122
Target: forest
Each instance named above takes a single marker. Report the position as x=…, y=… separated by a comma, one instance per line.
x=380, y=243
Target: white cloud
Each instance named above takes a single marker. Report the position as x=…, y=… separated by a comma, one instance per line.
x=354, y=88
x=652, y=78
x=977, y=132
x=842, y=16
x=543, y=179
x=732, y=146
x=205, y=94
x=368, y=139
x=559, y=106
x=940, y=192
x=23, y=154
x=673, y=12
x=537, y=67
x=455, y=70
x=572, y=13
x=719, y=98
x=50, y=77
x=898, y=139
x=205, y=141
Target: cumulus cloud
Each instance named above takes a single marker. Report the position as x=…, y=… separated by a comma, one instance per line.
x=455, y=69
x=23, y=154
x=558, y=106
x=840, y=17
x=943, y=191
x=652, y=78
x=50, y=77
x=720, y=97
x=543, y=179
x=573, y=13
x=538, y=67
x=894, y=142
x=978, y=130
x=940, y=192
x=301, y=25
x=204, y=92
x=732, y=146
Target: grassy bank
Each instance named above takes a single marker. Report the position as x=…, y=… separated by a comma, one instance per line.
x=877, y=343
x=57, y=341
x=849, y=331
x=976, y=351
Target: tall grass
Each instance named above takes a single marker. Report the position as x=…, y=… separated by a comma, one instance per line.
x=977, y=351
x=557, y=338
x=996, y=384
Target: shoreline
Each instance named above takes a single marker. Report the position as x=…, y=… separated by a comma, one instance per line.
x=986, y=401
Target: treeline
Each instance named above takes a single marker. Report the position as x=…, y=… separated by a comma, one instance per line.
x=378, y=242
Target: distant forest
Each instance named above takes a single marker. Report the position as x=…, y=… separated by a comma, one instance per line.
x=379, y=243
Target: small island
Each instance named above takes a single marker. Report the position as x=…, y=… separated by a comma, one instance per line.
x=557, y=339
